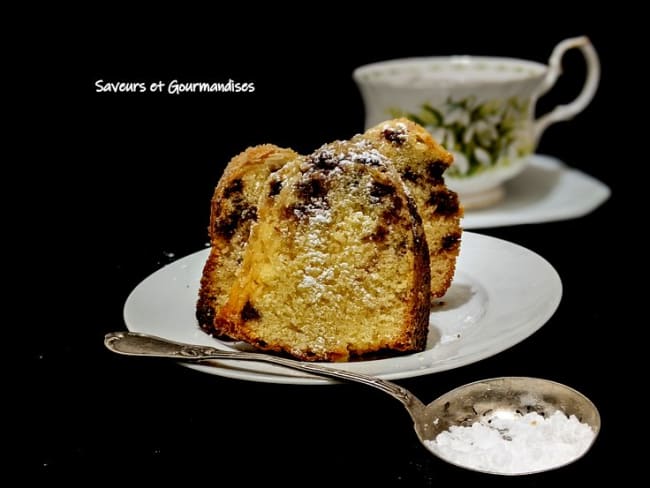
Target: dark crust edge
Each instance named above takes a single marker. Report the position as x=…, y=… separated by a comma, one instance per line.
x=205, y=305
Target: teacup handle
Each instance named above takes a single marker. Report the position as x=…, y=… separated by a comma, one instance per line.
x=565, y=112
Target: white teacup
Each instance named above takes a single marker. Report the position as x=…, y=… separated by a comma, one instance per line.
x=480, y=108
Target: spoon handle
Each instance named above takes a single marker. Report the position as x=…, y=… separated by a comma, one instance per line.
x=138, y=344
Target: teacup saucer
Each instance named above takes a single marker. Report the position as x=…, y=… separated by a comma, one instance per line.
x=546, y=190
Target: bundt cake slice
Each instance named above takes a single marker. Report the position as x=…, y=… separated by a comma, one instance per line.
x=421, y=163
x=233, y=209
x=336, y=265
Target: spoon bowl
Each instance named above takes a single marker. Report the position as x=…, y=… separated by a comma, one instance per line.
x=503, y=397
x=506, y=398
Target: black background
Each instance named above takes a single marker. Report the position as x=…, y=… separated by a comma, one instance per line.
x=145, y=168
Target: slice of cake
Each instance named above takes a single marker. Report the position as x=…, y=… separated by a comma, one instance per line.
x=421, y=163
x=336, y=265
x=233, y=209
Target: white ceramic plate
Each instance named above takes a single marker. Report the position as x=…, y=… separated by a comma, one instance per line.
x=545, y=191
x=500, y=295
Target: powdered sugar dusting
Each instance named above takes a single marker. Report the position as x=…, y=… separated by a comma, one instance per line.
x=316, y=273
x=324, y=231
x=371, y=156
x=516, y=443
x=322, y=216
x=361, y=151
x=310, y=282
x=362, y=144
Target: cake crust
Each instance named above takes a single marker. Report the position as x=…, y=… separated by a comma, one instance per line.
x=233, y=209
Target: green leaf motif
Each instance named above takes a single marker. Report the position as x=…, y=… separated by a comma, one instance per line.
x=482, y=135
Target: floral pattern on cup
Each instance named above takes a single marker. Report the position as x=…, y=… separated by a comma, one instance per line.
x=480, y=135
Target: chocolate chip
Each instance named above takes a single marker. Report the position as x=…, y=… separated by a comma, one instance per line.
x=393, y=215
x=380, y=234
x=226, y=226
x=396, y=136
x=445, y=201
x=398, y=203
x=275, y=187
x=315, y=187
x=451, y=241
x=249, y=312
x=380, y=190
x=435, y=170
x=409, y=175
x=236, y=186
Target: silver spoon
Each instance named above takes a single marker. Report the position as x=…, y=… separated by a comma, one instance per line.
x=461, y=406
